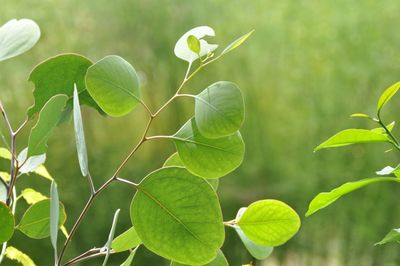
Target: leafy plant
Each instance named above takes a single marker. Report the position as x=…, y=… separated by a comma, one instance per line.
x=383, y=133
x=175, y=212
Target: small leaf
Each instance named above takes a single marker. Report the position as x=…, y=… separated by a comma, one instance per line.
x=35, y=223
x=219, y=110
x=30, y=164
x=48, y=120
x=6, y=176
x=382, y=130
x=129, y=260
x=3, y=192
x=31, y=196
x=219, y=260
x=360, y=115
x=111, y=237
x=352, y=136
x=126, y=241
x=14, y=254
x=6, y=222
x=114, y=85
x=386, y=170
x=42, y=171
x=80, y=135
x=325, y=199
x=237, y=43
x=17, y=37
x=387, y=95
x=54, y=216
x=177, y=216
x=194, y=44
x=257, y=251
x=392, y=237
x=269, y=222
x=4, y=153
x=208, y=158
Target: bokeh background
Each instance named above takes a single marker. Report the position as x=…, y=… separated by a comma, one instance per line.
x=307, y=67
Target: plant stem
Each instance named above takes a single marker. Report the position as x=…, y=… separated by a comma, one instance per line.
x=394, y=141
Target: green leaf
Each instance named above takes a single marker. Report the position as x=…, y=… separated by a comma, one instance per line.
x=325, y=199
x=126, y=241
x=194, y=44
x=30, y=164
x=114, y=85
x=17, y=37
x=209, y=158
x=3, y=192
x=387, y=95
x=31, y=196
x=382, y=130
x=111, y=237
x=219, y=110
x=4, y=153
x=54, y=216
x=129, y=260
x=269, y=222
x=80, y=135
x=237, y=43
x=219, y=260
x=48, y=120
x=386, y=170
x=360, y=115
x=14, y=254
x=177, y=216
x=392, y=237
x=175, y=160
x=352, y=136
x=57, y=75
x=7, y=223
x=257, y=251
x=35, y=223
x=42, y=171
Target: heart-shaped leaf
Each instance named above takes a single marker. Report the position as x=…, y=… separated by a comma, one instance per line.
x=6, y=222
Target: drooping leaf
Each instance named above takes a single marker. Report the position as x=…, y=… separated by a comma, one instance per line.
x=257, y=251
x=219, y=110
x=209, y=158
x=325, y=199
x=126, y=241
x=237, y=42
x=387, y=95
x=110, y=237
x=129, y=260
x=114, y=85
x=31, y=196
x=14, y=254
x=219, y=260
x=6, y=222
x=194, y=44
x=392, y=237
x=3, y=192
x=48, y=120
x=352, y=136
x=57, y=75
x=30, y=164
x=80, y=135
x=175, y=160
x=17, y=37
x=35, y=223
x=54, y=216
x=182, y=49
x=269, y=222
x=173, y=208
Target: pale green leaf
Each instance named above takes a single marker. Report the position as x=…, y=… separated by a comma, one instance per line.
x=129, y=260
x=17, y=37
x=126, y=241
x=30, y=164
x=352, y=136
x=6, y=176
x=4, y=153
x=42, y=171
x=177, y=216
x=6, y=222
x=14, y=254
x=269, y=222
x=54, y=216
x=360, y=115
x=31, y=196
x=80, y=135
x=3, y=192
x=194, y=44
x=48, y=120
x=392, y=237
x=111, y=237
x=209, y=158
x=387, y=95
x=219, y=110
x=325, y=199
x=114, y=85
x=237, y=42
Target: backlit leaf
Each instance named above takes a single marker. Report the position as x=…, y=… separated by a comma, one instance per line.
x=31, y=196
x=387, y=95
x=14, y=254
x=237, y=42
x=219, y=260
x=126, y=241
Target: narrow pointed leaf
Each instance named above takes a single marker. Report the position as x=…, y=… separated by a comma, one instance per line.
x=129, y=260
x=54, y=216
x=387, y=95
x=325, y=199
x=6, y=222
x=111, y=237
x=14, y=254
x=237, y=42
x=392, y=237
x=126, y=241
x=360, y=115
x=80, y=135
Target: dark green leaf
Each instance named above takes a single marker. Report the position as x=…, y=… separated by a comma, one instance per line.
x=177, y=216
x=6, y=222
x=114, y=85
x=392, y=237
x=126, y=241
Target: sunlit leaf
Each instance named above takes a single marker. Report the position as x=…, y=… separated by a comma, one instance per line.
x=14, y=254
x=80, y=135
x=392, y=237
x=387, y=95
x=129, y=260
x=177, y=216
x=4, y=153
x=17, y=37
x=360, y=115
x=325, y=199
x=31, y=196
x=114, y=85
x=30, y=164
x=194, y=44
x=6, y=222
x=237, y=42
x=42, y=171
x=126, y=241
x=219, y=260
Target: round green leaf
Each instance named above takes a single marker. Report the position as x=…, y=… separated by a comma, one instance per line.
x=36, y=221
x=209, y=158
x=219, y=110
x=6, y=222
x=177, y=216
x=219, y=260
x=17, y=37
x=269, y=222
x=114, y=85
x=126, y=241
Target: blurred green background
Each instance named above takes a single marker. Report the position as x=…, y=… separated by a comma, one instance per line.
x=306, y=68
